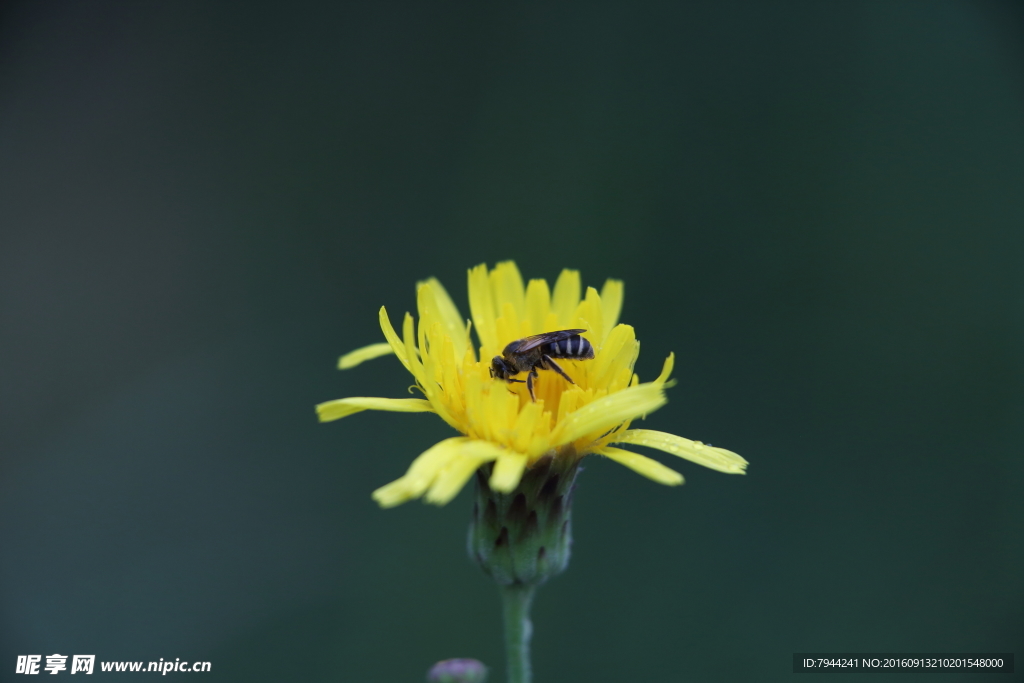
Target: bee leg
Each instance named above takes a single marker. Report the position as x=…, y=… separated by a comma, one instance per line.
x=557, y=368
x=515, y=381
x=529, y=384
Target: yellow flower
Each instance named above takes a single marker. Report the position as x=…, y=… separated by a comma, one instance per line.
x=499, y=422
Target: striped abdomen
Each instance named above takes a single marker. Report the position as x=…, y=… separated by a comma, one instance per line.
x=573, y=348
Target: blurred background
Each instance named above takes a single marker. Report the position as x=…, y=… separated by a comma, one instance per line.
x=818, y=206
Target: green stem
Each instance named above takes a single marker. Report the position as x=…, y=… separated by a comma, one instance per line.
x=516, y=601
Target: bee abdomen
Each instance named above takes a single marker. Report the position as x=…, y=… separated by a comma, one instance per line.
x=575, y=347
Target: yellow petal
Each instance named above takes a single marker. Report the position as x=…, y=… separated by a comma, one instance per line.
x=508, y=325
x=702, y=454
x=619, y=351
x=389, y=333
x=430, y=463
x=666, y=369
x=411, y=352
x=395, y=493
x=481, y=307
x=507, y=285
x=508, y=470
x=609, y=411
x=436, y=306
x=566, y=297
x=611, y=300
x=455, y=475
x=471, y=455
x=652, y=469
x=424, y=370
x=421, y=474
x=354, y=358
x=526, y=424
x=343, y=407
x=591, y=314
x=500, y=409
x=538, y=305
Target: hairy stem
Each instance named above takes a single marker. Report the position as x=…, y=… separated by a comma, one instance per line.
x=516, y=601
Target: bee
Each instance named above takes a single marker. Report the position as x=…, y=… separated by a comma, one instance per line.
x=540, y=351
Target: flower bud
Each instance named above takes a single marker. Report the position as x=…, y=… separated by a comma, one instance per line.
x=524, y=537
x=457, y=671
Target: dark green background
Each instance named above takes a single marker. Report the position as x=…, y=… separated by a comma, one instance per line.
x=818, y=206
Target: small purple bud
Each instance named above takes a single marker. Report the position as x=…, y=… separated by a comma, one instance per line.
x=458, y=671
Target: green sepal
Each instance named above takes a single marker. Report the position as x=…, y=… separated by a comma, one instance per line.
x=524, y=537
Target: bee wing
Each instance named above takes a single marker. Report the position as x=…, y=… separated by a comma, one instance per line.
x=527, y=343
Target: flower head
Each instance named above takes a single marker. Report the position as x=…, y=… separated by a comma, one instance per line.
x=457, y=671
x=498, y=420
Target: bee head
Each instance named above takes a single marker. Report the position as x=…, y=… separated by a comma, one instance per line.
x=500, y=369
